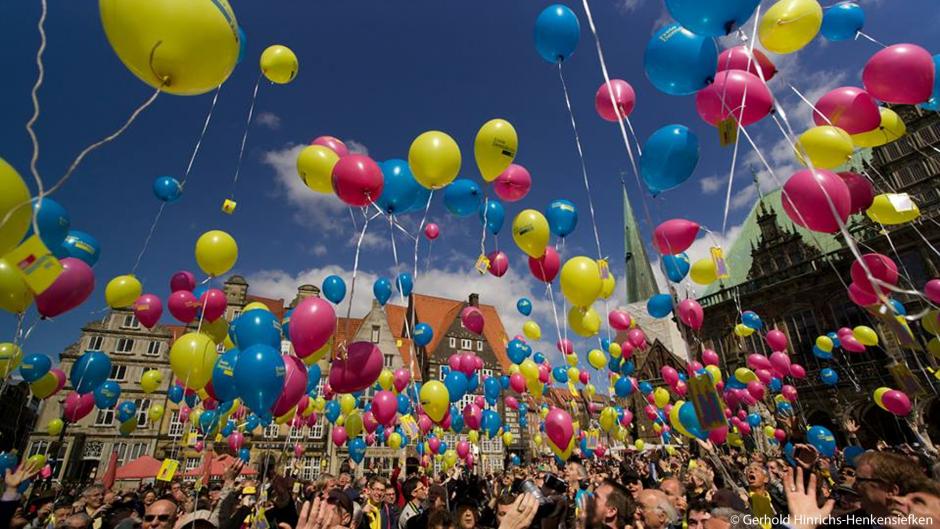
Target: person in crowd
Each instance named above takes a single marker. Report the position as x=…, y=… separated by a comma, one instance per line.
x=613, y=506
x=654, y=510
x=161, y=514
x=698, y=513
x=416, y=493
x=377, y=514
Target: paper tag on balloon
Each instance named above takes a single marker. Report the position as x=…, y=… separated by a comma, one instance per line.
x=35, y=263
x=906, y=380
x=727, y=131
x=901, y=202
x=718, y=257
x=604, y=268
x=483, y=264
x=229, y=206
x=590, y=439
x=708, y=406
x=168, y=470
x=409, y=426
x=191, y=439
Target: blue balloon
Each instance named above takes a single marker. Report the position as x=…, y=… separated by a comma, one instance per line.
x=242, y=46
x=382, y=290
x=357, y=449
x=490, y=422
x=623, y=387
x=645, y=387
x=788, y=453
x=258, y=327
x=252, y=423
x=842, y=21
x=244, y=453
x=539, y=358
x=441, y=448
x=190, y=398
x=677, y=266
x=285, y=324
x=81, y=245
x=751, y=320
x=491, y=387
x=401, y=190
x=208, y=421
x=8, y=461
x=89, y=371
x=614, y=364
x=126, y=410
x=733, y=383
x=35, y=366
x=175, y=393
x=829, y=376
x=897, y=305
x=504, y=381
x=517, y=350
x=54, y=223
x=785, y=408
x=562, y=217
x=605, y=344
x=934, y=102
x=332, y=410
x=223, y=376
x=423, y=334
x=404, y=404
x=314, y=374
x=560, y=374
x=107, y=394
x=690, y=422
x=228, y=428
x=585, y=451
x=775, y=385
x=820, y=354
x=850, y=453
x=524, y=306
x=822, y=439
x=492, y=215
x=456, y=383
x=405, y=284
x=334, y=288
x=679, y=62
x=669, y=157
x=167, y=189
x=557, y=32
x=753, y=419
x=711, y=18
x=659, y=306
x=462, y=197
x=627, y=368
x=473, y=382
x=259, y=377
x=456, y=420
x=515, y=460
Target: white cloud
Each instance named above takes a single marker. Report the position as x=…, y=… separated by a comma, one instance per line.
x=320, y=250
x=711, y=184
x=269, y=120
x=627, y=6
x=356, y=147
x=312, y=209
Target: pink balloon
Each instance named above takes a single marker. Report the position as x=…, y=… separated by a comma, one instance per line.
x=369, y=421
x=182, y=280
x=744, y=428
x=897, y=402
x=511, y=402
x=735, y=93
x=312, y=324
x=544, y=373
x=788, y=392
x=431, y=231
x=758, y=361
x=756, y=389
x=384, y=407
x=626, y=350
x=183, y=306
x=463, y=449
x=199, y=446
x=472, y=416
x=312, y=419
x=334, y=144
x=670, y=375
x=623, y=95
x=545, y=268
x=184, y=413
x=691, y=313
x=453, y=362
x=737, y=58
x=357, y=180
x=434, y=444
x=780, y=362
x=637, y=338
x=370, y=439
x=297, y=421
x=651, y=411
x=860, y=190
x=764, y=375
x=932, y=291
x=619, y=319
x=469, y=461
x=46, y=472
x=681, y=388
x=718, y=435
x=298, y=449
x=565, y=346
x=445, y=421
x=710, y=357
x=358, y=370
x=862, y=297
x=559, y=428
x=694, y=366
x=627, y=417
x=780, y=435
x=424, y=423
x=303, y=403
x=843, y=331
x=851, y=344
x=499, y=263
x=339, y=435
x=675, y=236
x=471, y=318
x=517, y=382
x=797, y=371
x=78, y=406
x=849, y=108
x=513, y=184
x=881, y=268
x=210, y=404
x=213, y=304
x=902, y=74
x=69, y=290
x=148, y=308
x=479, y=401
x=60, y=379
x=805, y=202
x=295, y=385
x=400, y=379
x=584, y=377
x=746, y=398
x=776, y=340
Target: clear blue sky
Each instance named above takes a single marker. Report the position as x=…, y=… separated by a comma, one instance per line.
x=378, y=73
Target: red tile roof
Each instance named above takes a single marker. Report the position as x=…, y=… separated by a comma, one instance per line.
x=276, y=306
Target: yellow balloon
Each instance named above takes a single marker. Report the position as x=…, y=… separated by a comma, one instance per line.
x=227, y=343
x=581, y=281
x=597, y=359
x=892, y=128
x=561, y=453
x=184, y=47
x=192, y=358
x=529, y=369
x=315, y=167
x=769, y=430
x=151, y=380
x=434, y=399
x=657, y=428
x=584, y=321
x=15, y=295
x=434, y=159
x=824, y=343
x=10, y=357
x=931, y=322
x=394, y=440
x=879, y=393
x=37, y=460
x=255, y=305
x=473, y=436
x=319, y=354
x=884, y=211
x=216, y=252
x=127, y=427
x=933, y=347
x=155, y=412
x=353, y=424
x=608, y=419
x=54, y=427
x=743, y=330
x=347, y=403
x=744, y=375
x=865, y=335
x=572, y=360
x=620, y=433
x=513, y=369
x=530, y=232
x=386, y=378
x=789, y=25
x=615, y=350
x=714, y=372
x=507, y=438
x=279, y=64
x=661, y=397
x=703, y=271
x=639, y=444
x=341, y=420
x=202, y=393
x=532, y=330
x=590, y=390
x=194, y=416
x=827, y=147
x=607, y=287
x=216, y=330
x=495, y=148
x=14, y=201
x=674, y=419
x=573, y=373
x=122, y=291
x=537, y=439
x=46, y=386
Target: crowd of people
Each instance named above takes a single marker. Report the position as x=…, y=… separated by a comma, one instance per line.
x=699, y=486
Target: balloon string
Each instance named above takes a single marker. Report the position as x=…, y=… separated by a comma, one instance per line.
x=34, y=94
x=241, y=152
x=401, y=295
x=202, y=135
x=352, y=286
x=424, y=219
x=860, y=34
x=551, y=298
x=486, y=203
x=153, y=228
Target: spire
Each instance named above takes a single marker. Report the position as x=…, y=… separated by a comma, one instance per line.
x=640, y=282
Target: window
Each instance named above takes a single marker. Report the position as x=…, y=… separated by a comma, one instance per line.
x=316, y=431
x=295, y=434
x=39, y=447
x=271, y=430
x=192, y=463
x=128, y=452
x=176, y=427
x=153, y=349
x=442, y=371
x=143, y=405
x=104, y=418
x=486, y=372
x=388, y=360
x=311, y=468
x=375, y=334
x=285, y=347
x=125, y=345
x=118, y=373
x=235, y=314
x=92, y=450
x=466, y=344
x=452, y=342
x=94, y=344
x=221, y=348
x=479, y=345
x=130, y=322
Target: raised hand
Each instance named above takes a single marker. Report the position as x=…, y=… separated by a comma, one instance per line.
x=802, y=500
x=521, y=512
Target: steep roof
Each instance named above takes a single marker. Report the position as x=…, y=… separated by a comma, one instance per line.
x=639, y=273
x=346, y=329
x=276, y=306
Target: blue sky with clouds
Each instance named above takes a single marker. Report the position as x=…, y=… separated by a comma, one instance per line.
x=376, y=74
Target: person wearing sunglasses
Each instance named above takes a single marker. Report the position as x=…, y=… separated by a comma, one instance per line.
x=160, y=515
